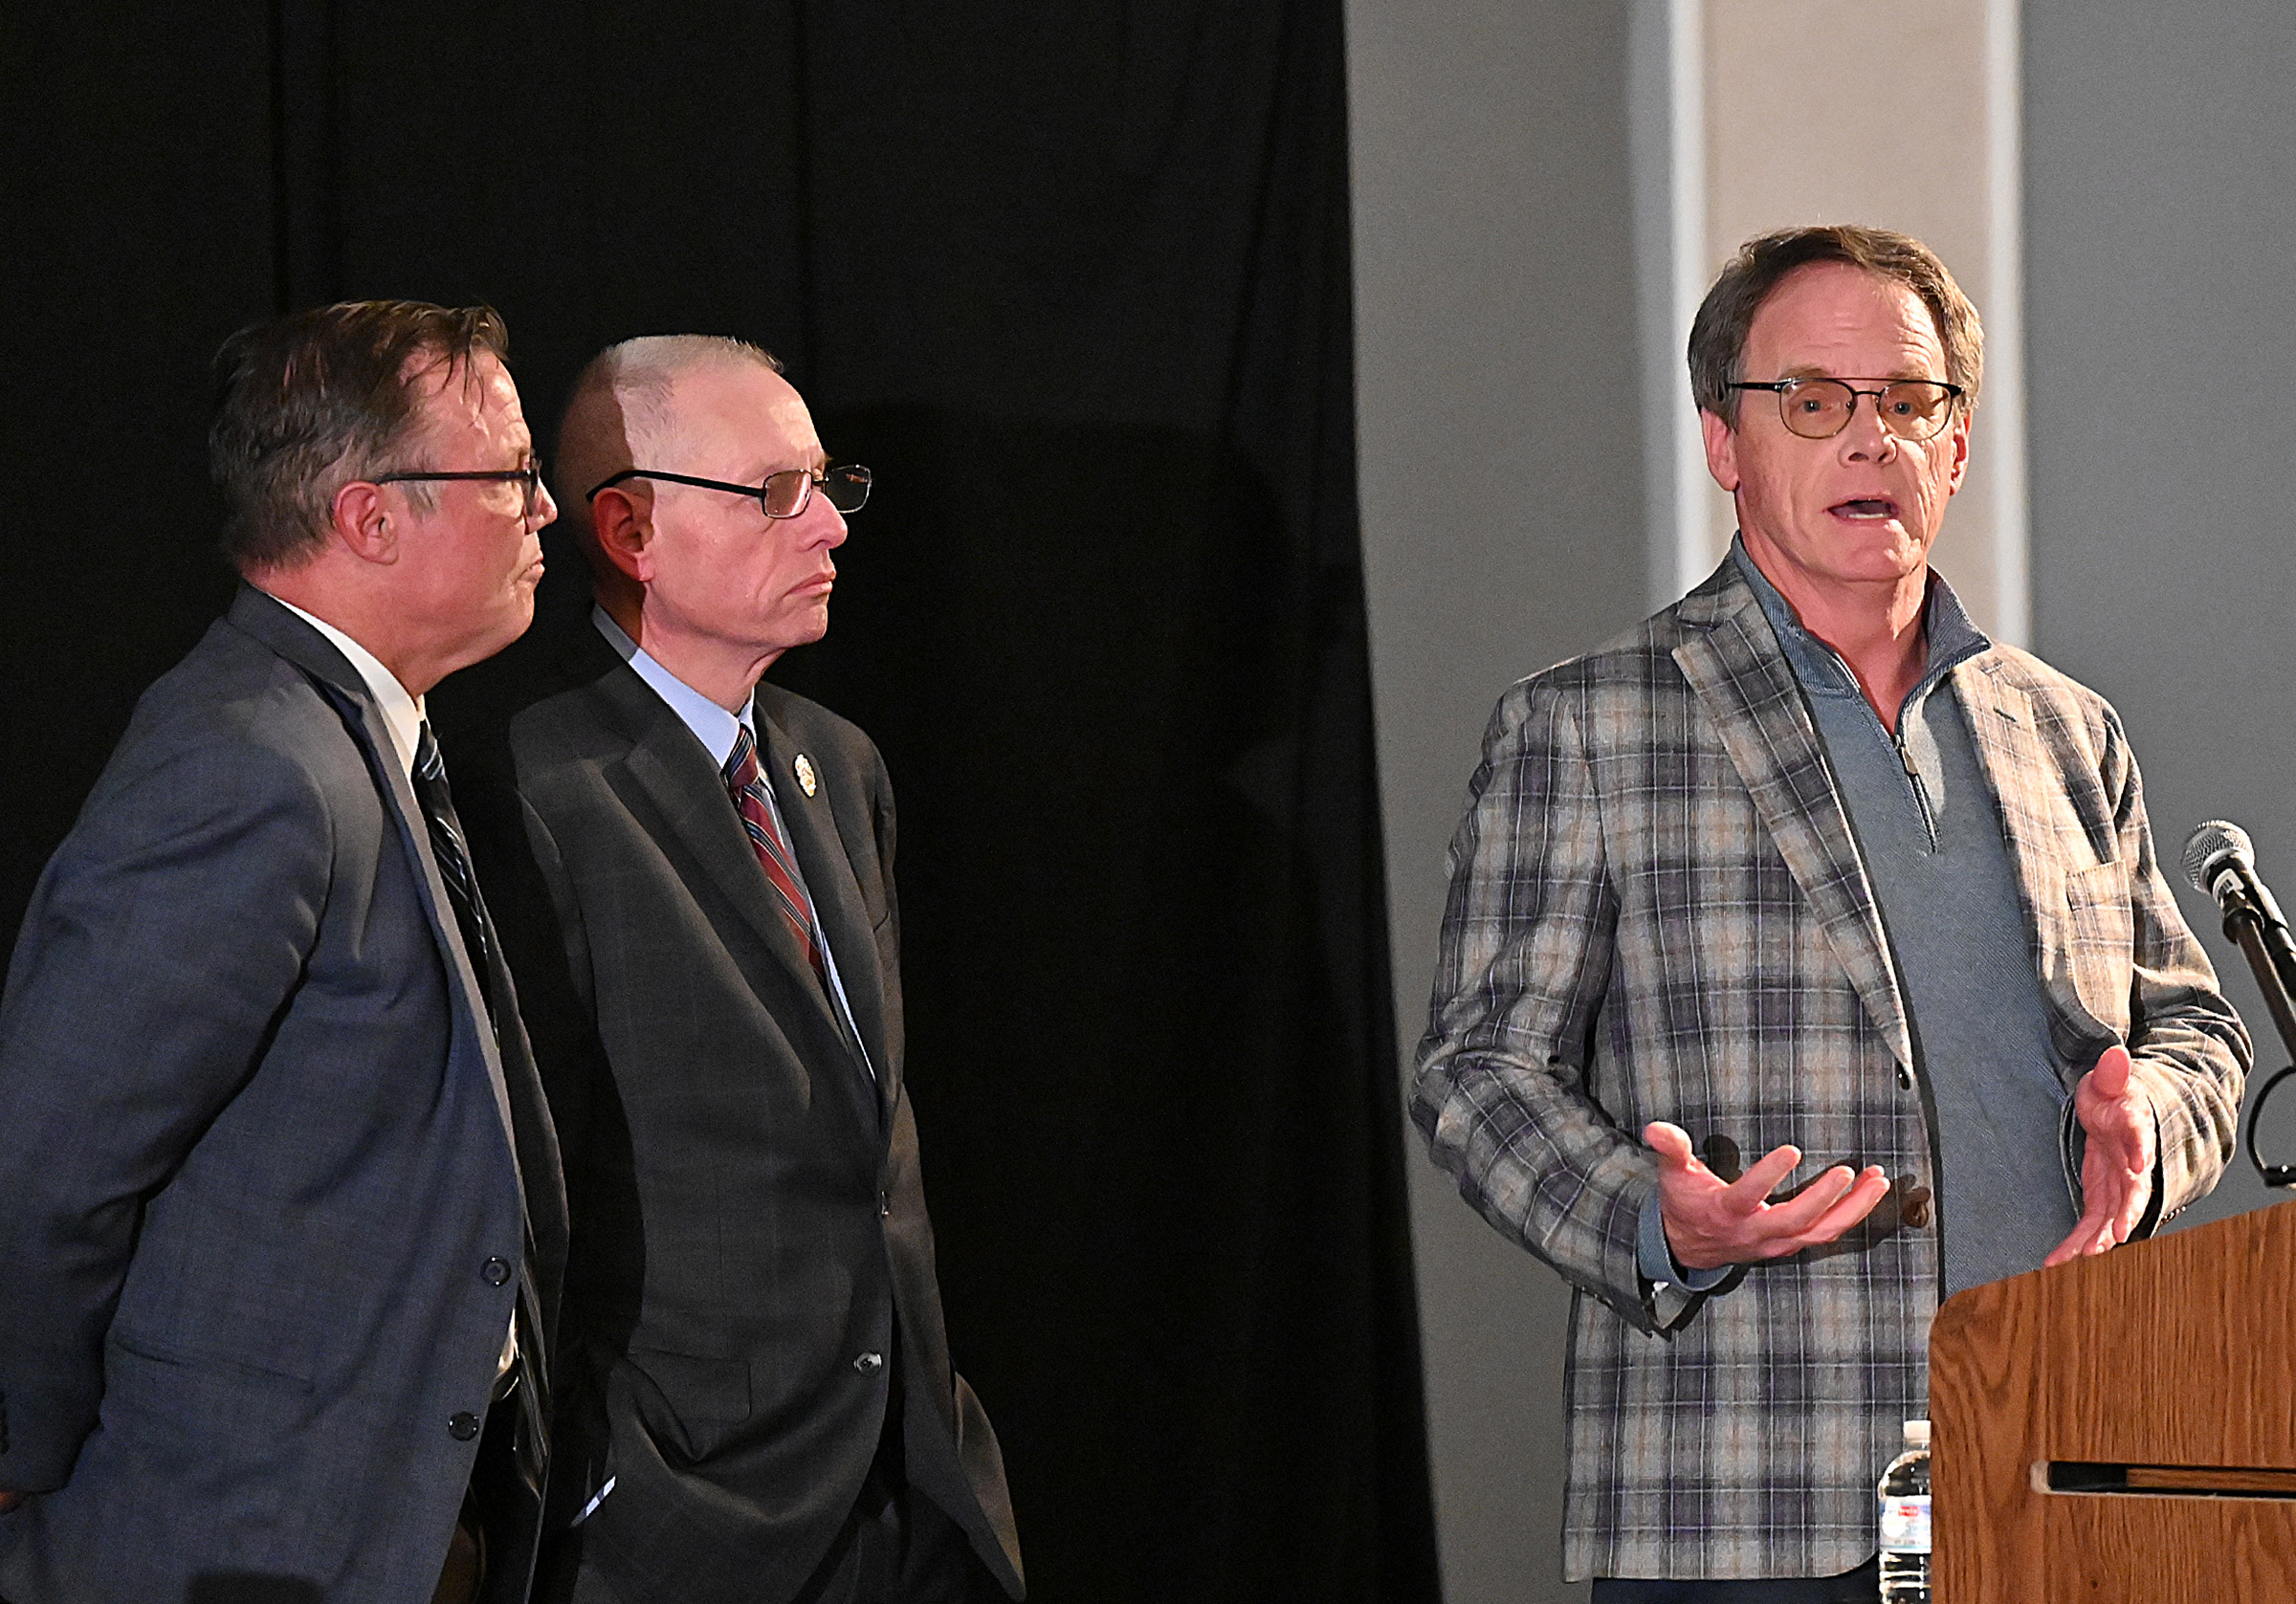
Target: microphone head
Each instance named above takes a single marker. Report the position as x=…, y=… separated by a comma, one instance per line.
x=2206, y=849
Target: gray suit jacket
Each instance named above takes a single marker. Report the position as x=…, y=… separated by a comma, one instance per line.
x=751, y=1282
x=1658, y=912
x=254, y=1160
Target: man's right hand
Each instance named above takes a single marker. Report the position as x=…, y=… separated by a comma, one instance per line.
x=1712, y=1222
x=9, y=1500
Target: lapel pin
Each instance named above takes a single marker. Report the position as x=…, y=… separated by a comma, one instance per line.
x=803, y=767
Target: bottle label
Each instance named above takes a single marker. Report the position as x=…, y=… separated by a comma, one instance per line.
x=1906, y=1524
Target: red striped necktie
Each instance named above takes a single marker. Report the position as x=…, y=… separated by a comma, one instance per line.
x=746, y=784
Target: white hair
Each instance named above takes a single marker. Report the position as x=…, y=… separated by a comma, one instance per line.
x=621, y=410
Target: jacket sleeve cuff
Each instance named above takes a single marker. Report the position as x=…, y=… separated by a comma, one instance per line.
x=1656, y=1259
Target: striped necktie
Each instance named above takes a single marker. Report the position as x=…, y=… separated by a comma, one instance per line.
x=453, y=861
x=746, y=783
x=531, y=1446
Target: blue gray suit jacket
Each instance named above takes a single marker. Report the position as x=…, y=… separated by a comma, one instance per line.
x=255, y=1158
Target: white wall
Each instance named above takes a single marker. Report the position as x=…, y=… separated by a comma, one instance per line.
x=1501, y=461
x=2160, y=226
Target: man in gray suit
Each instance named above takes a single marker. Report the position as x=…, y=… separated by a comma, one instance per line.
x=282, y=1205
x=694, y=875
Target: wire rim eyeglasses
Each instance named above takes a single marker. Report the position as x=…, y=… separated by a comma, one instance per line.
x=784, y=494
x=528, y=478
x=1820, y=408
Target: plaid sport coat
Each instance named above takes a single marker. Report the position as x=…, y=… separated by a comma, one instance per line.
x=1658, y=912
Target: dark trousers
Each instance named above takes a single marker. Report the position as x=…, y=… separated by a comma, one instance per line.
x=896, y=1546
x=487, y=1559
x=1862, y=1586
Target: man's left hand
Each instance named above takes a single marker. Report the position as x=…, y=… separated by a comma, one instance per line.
x=2116, y=1171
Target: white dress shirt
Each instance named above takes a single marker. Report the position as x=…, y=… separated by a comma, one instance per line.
x=401, y=713
x=403, y=716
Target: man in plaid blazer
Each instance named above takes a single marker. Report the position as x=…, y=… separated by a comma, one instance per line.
x=1741, y=882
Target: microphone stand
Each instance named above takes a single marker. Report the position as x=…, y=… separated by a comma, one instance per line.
x=2253, y=925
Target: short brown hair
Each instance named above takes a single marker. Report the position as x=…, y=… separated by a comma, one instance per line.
x=1718, y=334
x=309, y=402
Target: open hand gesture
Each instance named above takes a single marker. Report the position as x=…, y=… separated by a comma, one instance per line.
x=2116, y=1171
x=1712, y=1222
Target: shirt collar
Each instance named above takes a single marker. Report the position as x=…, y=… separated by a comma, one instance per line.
x=401, y=713
x=712, y=725
x=1952, y=637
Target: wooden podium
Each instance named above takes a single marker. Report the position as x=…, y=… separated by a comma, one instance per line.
x=2123, y=1427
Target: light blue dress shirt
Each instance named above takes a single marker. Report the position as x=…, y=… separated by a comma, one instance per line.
x=717, y=730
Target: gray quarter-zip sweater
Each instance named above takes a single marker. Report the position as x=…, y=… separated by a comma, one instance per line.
x=1929, y=833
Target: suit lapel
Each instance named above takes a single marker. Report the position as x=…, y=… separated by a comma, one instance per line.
x=674, y=772
x=811, y=822
x=270, y=622
x=2010, y=751
x=1743, y=682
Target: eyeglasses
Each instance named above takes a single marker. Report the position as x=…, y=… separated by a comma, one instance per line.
x=529, y=479
x=782, y=496
x=1820, y=408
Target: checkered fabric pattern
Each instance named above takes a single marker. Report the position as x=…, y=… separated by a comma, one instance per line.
x=1658, y=912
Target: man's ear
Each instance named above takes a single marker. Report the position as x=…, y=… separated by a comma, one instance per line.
x=1960, y=450
x=622, y=525
x=358, y=524
x=1721, y=450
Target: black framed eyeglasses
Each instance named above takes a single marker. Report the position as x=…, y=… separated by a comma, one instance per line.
x=782, y=496
x=528, y=478
x=1820, y=408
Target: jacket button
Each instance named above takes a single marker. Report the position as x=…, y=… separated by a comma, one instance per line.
x=884, y=1204
x=462, y=1425
x=497, y=1272
x=1913, y=1202
x=868, y=1364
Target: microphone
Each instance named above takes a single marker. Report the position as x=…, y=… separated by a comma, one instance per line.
x=2220, y=860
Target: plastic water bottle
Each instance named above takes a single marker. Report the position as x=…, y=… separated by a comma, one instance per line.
x=1905, y=1530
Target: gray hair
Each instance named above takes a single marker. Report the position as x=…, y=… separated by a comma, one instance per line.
x=621, y=410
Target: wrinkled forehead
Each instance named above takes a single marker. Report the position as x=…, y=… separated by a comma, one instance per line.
x=470, y=386
x=1833, y=318
x=744, y=409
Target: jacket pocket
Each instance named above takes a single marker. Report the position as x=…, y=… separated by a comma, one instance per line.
x=241, y=1291
x=698, y=1390
x=159, y=1352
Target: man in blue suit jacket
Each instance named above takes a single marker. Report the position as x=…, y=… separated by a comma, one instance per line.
x=283, y=1215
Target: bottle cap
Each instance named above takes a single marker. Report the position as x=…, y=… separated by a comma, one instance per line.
x=1918, y=1434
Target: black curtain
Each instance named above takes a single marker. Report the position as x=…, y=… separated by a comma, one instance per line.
x=1073, y=280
